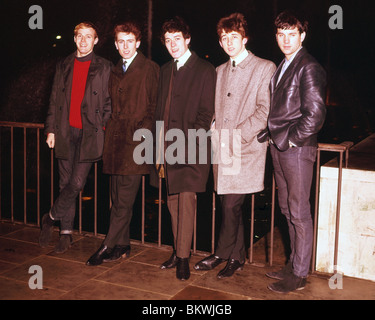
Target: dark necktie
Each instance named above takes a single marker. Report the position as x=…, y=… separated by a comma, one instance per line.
x=124, y=66
x=233, y=64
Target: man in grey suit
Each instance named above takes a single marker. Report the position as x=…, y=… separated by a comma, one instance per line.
x=297, y=114
x=242, y=104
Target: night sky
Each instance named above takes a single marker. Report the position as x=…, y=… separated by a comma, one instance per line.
x=29, y=56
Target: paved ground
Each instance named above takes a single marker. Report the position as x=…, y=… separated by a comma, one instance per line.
x=139, y=278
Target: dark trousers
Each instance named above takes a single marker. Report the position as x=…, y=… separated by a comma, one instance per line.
x=182, y=209
x=73, y=175
x=124, y=189
x=231, y=243
x=293, y=175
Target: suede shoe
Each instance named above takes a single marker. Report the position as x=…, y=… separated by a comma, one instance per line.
x=231, y=267
x=209, y=263
x=64, y=243
x=290, y=283
x=171, y=262
x=182, y=270
x=98, y=257
x=117, y=253
x=281, y=274
x=47, y=231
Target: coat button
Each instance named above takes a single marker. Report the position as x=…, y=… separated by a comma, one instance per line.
x=95, y=93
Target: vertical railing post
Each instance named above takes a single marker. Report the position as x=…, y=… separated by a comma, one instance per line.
x=24, y=177
x=213, y=222
x=38, y=176
x=95, y=199
x=143, y=210
x=11, y=175
x=159, y=214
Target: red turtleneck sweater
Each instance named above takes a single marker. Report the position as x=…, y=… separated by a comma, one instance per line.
x=80, y=71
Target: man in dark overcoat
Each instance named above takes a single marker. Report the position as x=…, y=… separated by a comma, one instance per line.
x=79, y=108
x=133, y=87
x=185, y=104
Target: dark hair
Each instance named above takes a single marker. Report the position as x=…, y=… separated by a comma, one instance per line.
x=290, y=20
x=235, y=22
x=128, y=27
x=176, y=24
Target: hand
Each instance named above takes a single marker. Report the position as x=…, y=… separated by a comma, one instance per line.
x=51, y=140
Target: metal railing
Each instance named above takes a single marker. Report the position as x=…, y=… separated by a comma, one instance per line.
x=26, y=127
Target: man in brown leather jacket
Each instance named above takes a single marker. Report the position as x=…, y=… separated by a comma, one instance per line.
x=297, y=114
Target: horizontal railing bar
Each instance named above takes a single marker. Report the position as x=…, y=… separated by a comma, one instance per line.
x=27, y=125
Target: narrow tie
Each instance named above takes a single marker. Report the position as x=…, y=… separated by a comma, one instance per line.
x=124, y=66
x=233, y=64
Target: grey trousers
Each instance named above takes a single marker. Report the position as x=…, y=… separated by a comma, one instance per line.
x=293, y=175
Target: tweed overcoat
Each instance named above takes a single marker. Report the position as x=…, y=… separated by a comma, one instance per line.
x=192, y=108
x=133, y=96
x=95, y=108
x=241, y=110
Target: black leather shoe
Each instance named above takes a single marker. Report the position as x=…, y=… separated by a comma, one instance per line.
x=231, y=267
x=290, y=283
x=182, y=270
x=98, y=257
x=117, y=253
x=171, y=262
x=209, y=263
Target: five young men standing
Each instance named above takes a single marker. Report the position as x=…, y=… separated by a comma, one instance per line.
x=245, y=104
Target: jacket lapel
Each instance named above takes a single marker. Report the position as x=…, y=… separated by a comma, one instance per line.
x=289, y=71
x=68, y=77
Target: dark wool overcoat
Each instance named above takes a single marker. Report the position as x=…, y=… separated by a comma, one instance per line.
x=192, y=108
x=134, y=95
x=95, y=108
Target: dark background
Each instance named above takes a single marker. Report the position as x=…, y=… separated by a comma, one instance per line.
x=29, y=57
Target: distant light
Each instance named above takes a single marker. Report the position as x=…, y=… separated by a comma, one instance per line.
x=207, y=56
x=58, y=37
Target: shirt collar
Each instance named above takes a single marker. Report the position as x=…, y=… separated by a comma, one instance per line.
x=130, y=60
x=240, y=58
x=182, y=60
x=292, y=57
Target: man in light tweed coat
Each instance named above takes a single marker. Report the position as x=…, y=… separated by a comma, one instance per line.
x=241, y=110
